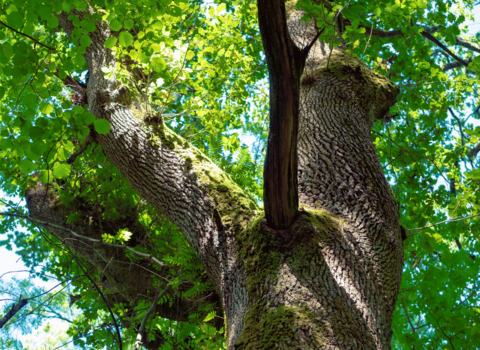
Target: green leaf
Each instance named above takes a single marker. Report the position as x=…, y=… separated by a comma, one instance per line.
x=79, y=61
x=88, y=118
x=115, y=25
x=44, y=11
x=46, y=176
x=52, y=22
x=110, y=42
x=120, y=9
x=144, y=57
x=124, y=235
x=68, y=65
x=85, y=40
x=15, y=20
x=102, y=126
x=174, y=11
x=78, y=109
x=7, y=50
x=210, y=316
x=157, y=25
x=35, y=132
x=125, y=39
x=46, y=108
x=62, y=154
x=26, y=166
x=475, y=64
x=66, y=7
x=190, y=54
x=61, y=170
x=158, y=64
x=128, y=23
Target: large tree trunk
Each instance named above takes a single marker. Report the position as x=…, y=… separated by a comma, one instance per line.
x=330, y=280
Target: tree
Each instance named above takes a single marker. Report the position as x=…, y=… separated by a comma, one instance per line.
x=127, y=161
x=40, y=306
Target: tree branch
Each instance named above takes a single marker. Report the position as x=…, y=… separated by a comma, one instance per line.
x=458, y=218
x=13, y=311
x=406, y=313
x=426, y=33
x=93, y=240
x=28, y=36
x=141, y=330
x=285, y=65
x=456, y=64
x=474, y=151
x=466, y=44
x=82, y=149
x=438, y=43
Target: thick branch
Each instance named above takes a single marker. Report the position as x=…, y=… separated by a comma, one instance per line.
x=466, y=44
x=438, y=43
x=172, y=175
x=456, y=64
x=13, y=311
x=45, y=210
x=285, y=65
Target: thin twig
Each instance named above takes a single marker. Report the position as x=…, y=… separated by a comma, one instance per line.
x=82, y=149
x=441, y=329
x=406, y=313
x=141, y=330
x=458, y=218
x=28, y=36
x=143, y=255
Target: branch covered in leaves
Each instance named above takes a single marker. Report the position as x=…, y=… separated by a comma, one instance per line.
x=426, y=33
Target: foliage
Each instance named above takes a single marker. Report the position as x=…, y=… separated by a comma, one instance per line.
x=46, y=310
x=201, y=66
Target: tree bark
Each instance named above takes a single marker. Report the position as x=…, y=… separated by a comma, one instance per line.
x=285, y=65
x=330, y=279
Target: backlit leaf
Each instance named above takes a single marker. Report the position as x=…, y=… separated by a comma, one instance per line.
x=125, y=39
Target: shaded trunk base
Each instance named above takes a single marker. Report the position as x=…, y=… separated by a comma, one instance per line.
x=314, y=292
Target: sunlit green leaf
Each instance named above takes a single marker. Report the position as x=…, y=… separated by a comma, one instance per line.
x=125, y=39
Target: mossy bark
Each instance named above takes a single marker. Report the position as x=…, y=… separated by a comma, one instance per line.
x=334, y=282
x=331, y=279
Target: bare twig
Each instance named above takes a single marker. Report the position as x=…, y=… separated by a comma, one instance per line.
x=458, y=218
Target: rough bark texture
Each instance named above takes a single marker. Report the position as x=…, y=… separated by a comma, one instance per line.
x=121, y=279
x=174, y=177
x=330, y=280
